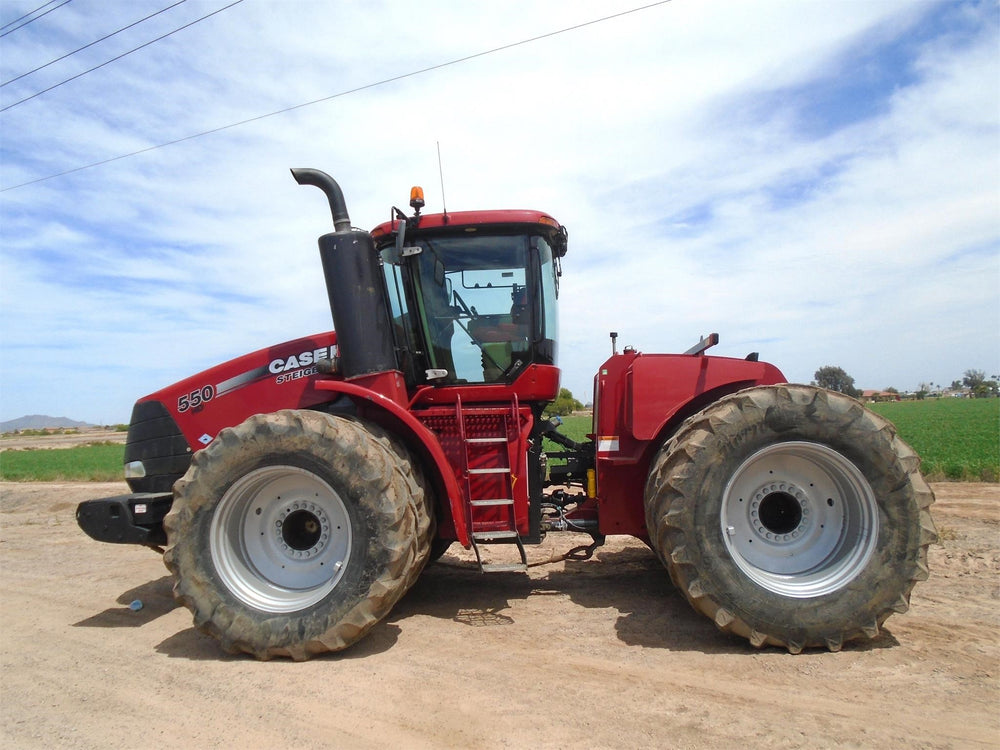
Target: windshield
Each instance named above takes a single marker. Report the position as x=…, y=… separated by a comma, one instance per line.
x=472, y=298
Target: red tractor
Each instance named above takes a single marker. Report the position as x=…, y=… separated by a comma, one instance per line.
x=300, y=490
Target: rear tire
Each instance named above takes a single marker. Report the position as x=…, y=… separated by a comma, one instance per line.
x=791, y=516
x=295, y=532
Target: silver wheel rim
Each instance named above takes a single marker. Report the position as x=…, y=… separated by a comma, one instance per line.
x=280, y=539
x=799, y=519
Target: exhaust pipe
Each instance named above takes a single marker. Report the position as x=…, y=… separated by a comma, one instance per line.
x=338, y=206
x=355, y=287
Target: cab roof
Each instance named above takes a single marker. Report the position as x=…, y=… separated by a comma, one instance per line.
x=468, y=219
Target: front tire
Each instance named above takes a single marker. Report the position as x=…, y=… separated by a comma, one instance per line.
x=295, y=532
x=791, y=516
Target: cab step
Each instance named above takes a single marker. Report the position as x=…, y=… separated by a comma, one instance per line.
x=492, y=502
x=496, y=538
x=503, y=567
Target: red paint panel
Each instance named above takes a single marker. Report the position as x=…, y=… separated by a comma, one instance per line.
x=637, y=398
x=660, y=384
x=536, y=383
x=279, y=377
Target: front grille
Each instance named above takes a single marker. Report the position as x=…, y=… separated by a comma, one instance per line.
x=154, y=439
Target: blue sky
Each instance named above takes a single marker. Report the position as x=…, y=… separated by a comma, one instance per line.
x=819, y=181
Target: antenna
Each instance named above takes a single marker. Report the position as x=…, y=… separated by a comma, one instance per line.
x=444, y=203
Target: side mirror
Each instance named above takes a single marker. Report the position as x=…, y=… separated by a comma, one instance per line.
x=561, y=243
x=400, y=236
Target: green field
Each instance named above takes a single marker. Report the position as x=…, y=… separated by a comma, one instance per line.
x=958, y=439
x=98, y=462
x=576, y=426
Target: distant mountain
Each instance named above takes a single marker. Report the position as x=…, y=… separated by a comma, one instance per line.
x=38, y=422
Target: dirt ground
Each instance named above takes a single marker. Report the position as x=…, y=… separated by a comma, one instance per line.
x=600, y=653
x=89, y=435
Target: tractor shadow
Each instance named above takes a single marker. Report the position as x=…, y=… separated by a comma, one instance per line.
x=455, y=590
x=156, y=598
x=631, y=581
x=193, y=645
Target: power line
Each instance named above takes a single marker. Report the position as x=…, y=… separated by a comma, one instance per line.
x=28, y=14
x=119, y=57
x=35, y=18
x=355, y=90
x=96, y=41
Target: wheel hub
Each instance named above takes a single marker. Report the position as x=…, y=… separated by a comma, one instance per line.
x=779, y=512
x=281, y=538
x=799, y=519
x=303, y=530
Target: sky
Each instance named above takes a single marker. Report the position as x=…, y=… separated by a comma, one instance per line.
x=816, y=181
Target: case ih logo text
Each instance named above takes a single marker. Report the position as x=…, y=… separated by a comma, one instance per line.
x=302, y=359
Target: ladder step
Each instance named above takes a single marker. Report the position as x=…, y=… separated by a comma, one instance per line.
x=486, y=536
x=502, y=567
x=486, y=440
x=502, y=470
x=492, y=502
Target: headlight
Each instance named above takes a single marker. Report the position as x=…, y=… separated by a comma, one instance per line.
x=135, y=470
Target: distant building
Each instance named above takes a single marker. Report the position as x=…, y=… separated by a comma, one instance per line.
x=876, y=396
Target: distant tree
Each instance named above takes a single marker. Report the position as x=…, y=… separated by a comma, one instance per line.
x=977, y=383
x=563, y=405
x=974, y=378
x=835, y=379
x=890, y=389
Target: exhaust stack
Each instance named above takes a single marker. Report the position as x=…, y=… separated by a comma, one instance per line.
x=338, y=206
x=354, y=285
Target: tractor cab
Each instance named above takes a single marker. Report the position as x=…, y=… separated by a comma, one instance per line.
x=471, y=295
